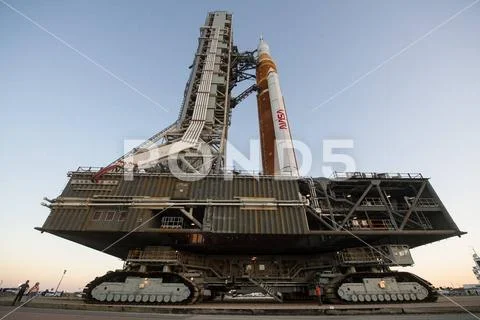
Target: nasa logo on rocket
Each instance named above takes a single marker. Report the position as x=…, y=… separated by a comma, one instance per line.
x=282, y=119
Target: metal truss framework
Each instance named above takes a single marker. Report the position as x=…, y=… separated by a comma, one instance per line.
x=205, y=112
x=372, y=201
x=242, y=63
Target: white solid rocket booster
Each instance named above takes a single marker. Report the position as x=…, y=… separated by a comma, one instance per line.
x=285, y=160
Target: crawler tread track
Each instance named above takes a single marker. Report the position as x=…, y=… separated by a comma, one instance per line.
x=120, y=276
x=331, y=290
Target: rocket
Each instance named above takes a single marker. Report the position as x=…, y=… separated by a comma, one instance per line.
x=278, y=154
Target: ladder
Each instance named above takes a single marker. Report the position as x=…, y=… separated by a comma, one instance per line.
x=313, y=196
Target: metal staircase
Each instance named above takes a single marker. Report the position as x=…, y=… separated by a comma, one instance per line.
x=271, y=291
x=313, y=196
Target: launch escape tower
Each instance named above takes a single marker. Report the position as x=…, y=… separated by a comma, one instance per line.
x=188, y=229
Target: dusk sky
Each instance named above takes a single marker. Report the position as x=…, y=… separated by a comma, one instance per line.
x=400, y=79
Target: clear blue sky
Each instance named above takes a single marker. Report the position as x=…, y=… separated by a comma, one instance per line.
x=418, y=113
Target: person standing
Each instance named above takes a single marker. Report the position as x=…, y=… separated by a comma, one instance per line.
x=22, y=288
x=33, y=291
x=318, y=293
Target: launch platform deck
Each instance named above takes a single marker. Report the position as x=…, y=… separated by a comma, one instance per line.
x=457, y=304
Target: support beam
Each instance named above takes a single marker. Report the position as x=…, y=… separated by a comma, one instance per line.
x=330, y=208
x=319, y=218
x=387, y=205
x=242, y=96
x=355, y=206
x=189, y=215
x=413, y=206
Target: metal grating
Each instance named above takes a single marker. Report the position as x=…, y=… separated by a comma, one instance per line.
x=172, y=222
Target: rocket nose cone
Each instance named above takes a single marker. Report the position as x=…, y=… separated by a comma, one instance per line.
x=263, y=47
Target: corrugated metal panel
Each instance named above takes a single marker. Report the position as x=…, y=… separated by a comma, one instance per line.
x=81, y=219
x=134, y=218
x=242, y=186
x=225, y=219
x=284, y=220
x=212, y=187
x=66, y=219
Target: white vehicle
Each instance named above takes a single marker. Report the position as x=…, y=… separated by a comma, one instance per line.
x=53, y=294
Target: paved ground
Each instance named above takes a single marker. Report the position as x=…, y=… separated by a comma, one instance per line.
x=56, y=314
x=466, y=301
x=65, y=308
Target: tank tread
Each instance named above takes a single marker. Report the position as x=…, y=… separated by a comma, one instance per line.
x=331, y=290
x=120, y=276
